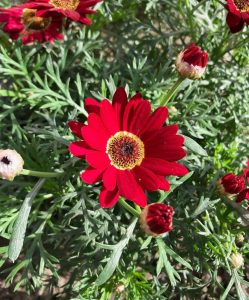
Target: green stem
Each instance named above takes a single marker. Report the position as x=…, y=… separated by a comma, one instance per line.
x=171, y=92
x=41, y=174
x=129, y=207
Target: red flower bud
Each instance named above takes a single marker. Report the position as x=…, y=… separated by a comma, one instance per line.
x=191, y=62
x=231, y=184
x=156, y=218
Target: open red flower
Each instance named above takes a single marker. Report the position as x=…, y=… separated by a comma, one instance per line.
x=128, y=148
x=76, y=10
x=232, y=184
x=23, y=22
x=191, y=63
x=238, y=14
x=156, y=218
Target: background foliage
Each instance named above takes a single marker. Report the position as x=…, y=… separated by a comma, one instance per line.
x=70, y=239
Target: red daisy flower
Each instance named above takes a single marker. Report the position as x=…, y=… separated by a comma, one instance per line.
x=156, y=218
x=231, y=184
x=128, y=148
x=191, y=63
x=75, y=10
x=23, y=22
x=238, y=14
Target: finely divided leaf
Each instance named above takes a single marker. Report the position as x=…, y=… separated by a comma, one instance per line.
x=112, y=263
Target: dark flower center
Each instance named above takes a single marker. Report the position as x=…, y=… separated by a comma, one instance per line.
x=32, y=22
x=5, y=160
x=242, y=5
x=65, y=4
x=125, y=150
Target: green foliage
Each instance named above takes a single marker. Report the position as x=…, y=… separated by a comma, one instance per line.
x=70, y=241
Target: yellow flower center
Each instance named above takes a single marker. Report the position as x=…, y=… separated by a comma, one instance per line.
x=65, y=4
x=242, y=5
x=125, y=150
x=32, y=22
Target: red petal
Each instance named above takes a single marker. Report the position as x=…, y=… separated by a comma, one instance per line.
x=235, y=23
x=167, y=141
x=95, y=122
x=90, y=175
x=92, y=106
x=164, y=184
x=163, y=132
x=78, y=149
x=129, y=113
x=157, y=119
x=164, y=168
x=137, y=96
x=170, y=153
x=110, y=178
x=97, y=159
x=74, y=15
x=119, y=103
x=108, y=198
x=243, y=195
x=108, y=117
x=146, y=178
x=232, y=8
x=75, y=127
x=85, y=20
x=130, y=189
x=142, y=114
x=93, y=138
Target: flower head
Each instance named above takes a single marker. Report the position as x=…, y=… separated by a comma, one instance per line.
x=156, y=218
x=240, y=238
x=75, y=10
x=191, y=63
x=127, y=147
x=231, y=184
x=11, y=164
x=23, y=22
x=237, y=260
x=238, y=14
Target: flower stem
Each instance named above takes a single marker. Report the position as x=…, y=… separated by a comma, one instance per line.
x=40, y=174
x=171, y=92
x=129, y=207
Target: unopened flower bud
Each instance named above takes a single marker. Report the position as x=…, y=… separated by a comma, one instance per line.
x=11, y=164
x=240, y=238
x=156, y=218
x=237, y=260
x=231, y=184
x=191, y=62
x=120, y=288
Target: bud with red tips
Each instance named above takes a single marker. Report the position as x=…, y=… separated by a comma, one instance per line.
x=231, y=184
x=156, y=218
x=191, y=63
